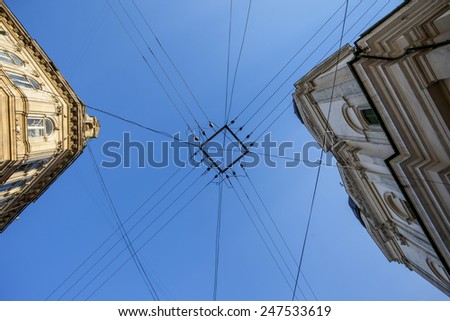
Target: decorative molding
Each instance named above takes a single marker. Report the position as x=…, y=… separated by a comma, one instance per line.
x=67, y=105
x=394, y=74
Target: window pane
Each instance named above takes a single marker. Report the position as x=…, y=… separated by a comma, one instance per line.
x=17, y=60
x=370, y=116
x=48, y=127
x=17, y=77
x=35, y=122
x=10, y=58
x=34, y=83
x=4, y=57
x=19, y=80
x=4, y=188
x=22, y=81
x=35, y=127
x=35, y=132
x=22, y=84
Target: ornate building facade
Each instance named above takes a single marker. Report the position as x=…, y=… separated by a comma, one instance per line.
x=43, y=124
x=385, y=116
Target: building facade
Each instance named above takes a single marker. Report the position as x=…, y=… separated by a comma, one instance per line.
x=43, y=124
x=385, y=116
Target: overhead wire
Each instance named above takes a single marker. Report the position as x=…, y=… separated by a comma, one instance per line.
x=196, y=145
x=308, y=224
x=218, y=232
x=159, y=132
x=276, y=228
x=171, y=61
x=352, y=26
x=133, y=1
x=290, y=60
x=74, y=67
x=137, y=237
x=132, y=122
x=228, y=69
x=163, y=290
x=110, y=236
x=152, y=237
x=129, y=230
x=260, y=108
x=228, y=60
x=322, y=163
x=269, y=114
x=220, y=198
x=283, y=274
x=266, y=230
x=149, y=66
x=122, y=230
x=273, y=110
x=338, y=165
x=369, y=22
x=304, y=61
x=141, y=126
x=274, y=120
x=294, y=159
x=239, y=61
x=159, y=64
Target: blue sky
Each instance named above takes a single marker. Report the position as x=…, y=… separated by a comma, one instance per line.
x=57, y=233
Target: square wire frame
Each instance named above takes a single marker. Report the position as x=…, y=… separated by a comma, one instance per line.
x=244, y=150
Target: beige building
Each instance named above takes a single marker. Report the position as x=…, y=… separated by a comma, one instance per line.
x=43, y=124
x=388, y=127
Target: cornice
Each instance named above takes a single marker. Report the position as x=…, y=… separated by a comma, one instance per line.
x=76, y=109
x=412, y=20
x=75, y=116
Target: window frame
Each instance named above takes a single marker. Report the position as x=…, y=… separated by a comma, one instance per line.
x=44, y=130
x=8, y=187
x=23, y=81
x=11, y=58
x=369, y=115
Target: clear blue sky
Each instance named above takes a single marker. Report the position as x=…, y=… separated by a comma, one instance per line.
x=54, y=235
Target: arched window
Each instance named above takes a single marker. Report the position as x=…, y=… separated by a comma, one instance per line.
x=10, y=58
x=10, y=186
x=398, y=206
x=24, y=81
x=39, y=127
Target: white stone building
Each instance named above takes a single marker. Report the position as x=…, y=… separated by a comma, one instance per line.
x=387, y=124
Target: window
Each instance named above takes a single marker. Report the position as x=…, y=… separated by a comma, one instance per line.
x=24, y=81
x=39, y=127
x=34, y=83
x=10, y=58
x=370, y=116
x=10, y=186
